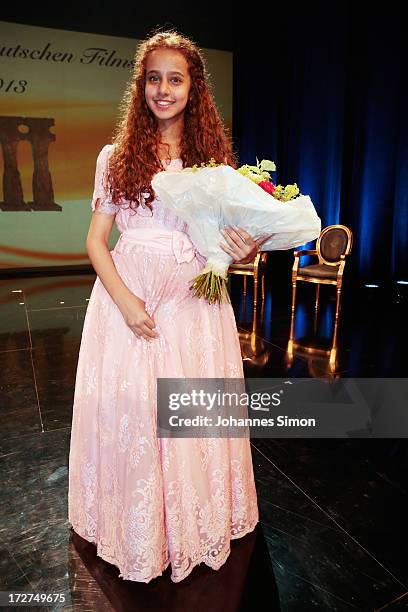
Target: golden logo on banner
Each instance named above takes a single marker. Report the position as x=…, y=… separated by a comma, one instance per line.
x=35, y=130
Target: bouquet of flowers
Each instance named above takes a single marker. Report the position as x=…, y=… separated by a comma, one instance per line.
x=214, y=195
x=260, y=175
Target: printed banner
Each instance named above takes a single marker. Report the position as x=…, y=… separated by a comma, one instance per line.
x=60, y=93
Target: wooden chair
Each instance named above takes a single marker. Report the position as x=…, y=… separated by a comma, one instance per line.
x=255, y=269
x=332, y=248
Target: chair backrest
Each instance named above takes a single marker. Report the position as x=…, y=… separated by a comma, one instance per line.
x=334, y=241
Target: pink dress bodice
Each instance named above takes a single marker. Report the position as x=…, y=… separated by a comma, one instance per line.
x=143, y=216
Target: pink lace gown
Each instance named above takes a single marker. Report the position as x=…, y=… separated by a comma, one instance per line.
x=146, y=501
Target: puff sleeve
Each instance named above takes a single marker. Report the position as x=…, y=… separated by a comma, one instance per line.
x=100, y=199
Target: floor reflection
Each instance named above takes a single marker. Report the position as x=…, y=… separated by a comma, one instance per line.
x=332, y=512
x=244, y=581
x=320, y=356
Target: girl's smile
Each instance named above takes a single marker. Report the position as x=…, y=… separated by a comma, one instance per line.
x=161, y=104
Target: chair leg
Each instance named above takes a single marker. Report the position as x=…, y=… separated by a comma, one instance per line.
x=263, y=299
x=336, y=319
x=255, y=290
x=317, y=296
x=289, y=355
x=334, y=340
x=333, y=360
x=292, y=318
x=255, y=295
x=333, y=351
x=338, y=304
x=316, y=307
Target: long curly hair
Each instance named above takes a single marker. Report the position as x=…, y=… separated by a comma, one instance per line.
x=134, y=159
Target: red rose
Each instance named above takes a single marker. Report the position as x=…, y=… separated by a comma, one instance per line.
x=267, y=186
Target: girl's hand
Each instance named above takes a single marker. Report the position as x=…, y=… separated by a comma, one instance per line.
x=136, y=317
x=241, y=246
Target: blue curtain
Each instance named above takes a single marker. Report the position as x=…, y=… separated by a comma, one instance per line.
x=321, y=89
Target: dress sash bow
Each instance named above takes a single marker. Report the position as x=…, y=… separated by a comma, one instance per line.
x=158, y=240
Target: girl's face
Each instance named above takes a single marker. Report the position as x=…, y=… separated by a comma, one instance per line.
x=168, y=84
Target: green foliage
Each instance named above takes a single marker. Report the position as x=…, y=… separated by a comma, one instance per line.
x=284, y=194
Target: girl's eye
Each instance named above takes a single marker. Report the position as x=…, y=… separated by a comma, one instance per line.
x=176, y=79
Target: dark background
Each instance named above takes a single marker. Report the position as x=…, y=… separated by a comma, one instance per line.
x=320, y=88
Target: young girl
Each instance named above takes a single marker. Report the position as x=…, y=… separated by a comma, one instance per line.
x=147, y=501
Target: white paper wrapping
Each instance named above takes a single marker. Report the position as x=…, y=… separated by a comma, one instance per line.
x=211, y=198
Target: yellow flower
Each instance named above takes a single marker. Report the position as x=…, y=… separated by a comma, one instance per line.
x=211, y=164
x=284, y=194
x=259, y=172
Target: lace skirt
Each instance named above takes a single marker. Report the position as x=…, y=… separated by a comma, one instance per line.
x=146, y=501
